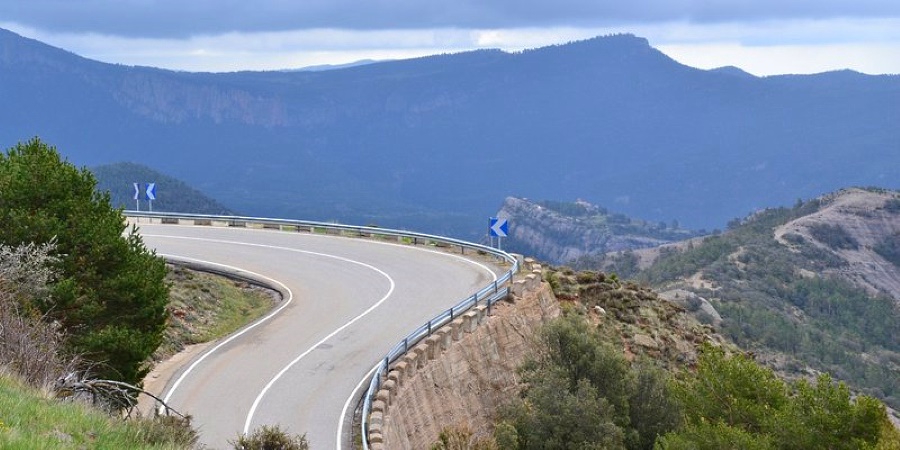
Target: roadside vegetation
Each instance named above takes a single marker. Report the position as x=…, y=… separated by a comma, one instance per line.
x=107, y=294
x=30, y=419
x=204, y=307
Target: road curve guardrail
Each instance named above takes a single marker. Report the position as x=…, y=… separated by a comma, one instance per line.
x=487, y=296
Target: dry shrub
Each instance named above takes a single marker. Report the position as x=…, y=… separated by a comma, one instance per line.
x=29, y=346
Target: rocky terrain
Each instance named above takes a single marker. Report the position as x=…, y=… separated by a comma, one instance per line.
x=866, y=220
x=559, y=232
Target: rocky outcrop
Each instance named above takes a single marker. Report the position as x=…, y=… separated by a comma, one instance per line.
x=562, y=232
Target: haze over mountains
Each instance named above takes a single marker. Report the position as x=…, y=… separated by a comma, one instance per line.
x=437, y=143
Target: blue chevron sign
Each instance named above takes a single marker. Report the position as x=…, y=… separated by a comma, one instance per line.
x=499, y=227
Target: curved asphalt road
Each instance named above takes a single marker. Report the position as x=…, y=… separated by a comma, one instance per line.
x=352, y=299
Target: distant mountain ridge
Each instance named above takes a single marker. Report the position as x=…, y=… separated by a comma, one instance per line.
x=436, y=143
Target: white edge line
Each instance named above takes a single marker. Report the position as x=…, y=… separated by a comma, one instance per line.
x=368, y=376
x=320, y=342
x=340, y=428
x=234, y=336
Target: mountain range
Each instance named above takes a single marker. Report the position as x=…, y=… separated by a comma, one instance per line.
x=436, y=143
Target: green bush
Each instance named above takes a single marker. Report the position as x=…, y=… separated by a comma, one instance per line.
x=714, y=436
x=581, y=393
x=270, y=438
x=732, y=402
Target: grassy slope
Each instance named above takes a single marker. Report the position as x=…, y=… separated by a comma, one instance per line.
x=31, y=419
x=205, y=307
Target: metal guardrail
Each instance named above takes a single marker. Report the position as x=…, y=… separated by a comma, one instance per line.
x=487, y=296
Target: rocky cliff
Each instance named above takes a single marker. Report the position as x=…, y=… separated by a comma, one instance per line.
x=559, y=233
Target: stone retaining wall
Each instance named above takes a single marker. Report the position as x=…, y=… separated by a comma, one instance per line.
x=463, y=372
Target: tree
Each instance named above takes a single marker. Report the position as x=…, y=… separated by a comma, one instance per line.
x=110, y=295
x=551, y=416
x=579, y=353
x=580, y=392
x=732, y=402
x=734, y=390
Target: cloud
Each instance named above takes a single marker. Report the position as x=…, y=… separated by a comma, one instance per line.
x=182, y=19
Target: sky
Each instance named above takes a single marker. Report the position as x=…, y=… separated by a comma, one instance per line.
x=763, y=37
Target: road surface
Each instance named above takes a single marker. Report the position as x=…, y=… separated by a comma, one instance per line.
x=349, y=301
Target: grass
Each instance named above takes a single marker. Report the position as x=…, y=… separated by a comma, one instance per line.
x=29, y=419
x=205, y=307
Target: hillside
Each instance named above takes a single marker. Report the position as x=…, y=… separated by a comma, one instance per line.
x=437, y=143
x=576, y=233
x=172, y=195
x=809, y=288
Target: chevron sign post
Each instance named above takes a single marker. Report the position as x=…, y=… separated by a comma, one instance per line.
x=151, y=195
x=499, y=228
x=137, y=193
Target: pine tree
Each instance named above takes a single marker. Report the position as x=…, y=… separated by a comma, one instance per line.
x=110, y=297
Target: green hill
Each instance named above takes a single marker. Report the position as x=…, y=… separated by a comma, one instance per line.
x=172, y=195
x=813, y=288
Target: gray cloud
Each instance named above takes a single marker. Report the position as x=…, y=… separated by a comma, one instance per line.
x=182, y=18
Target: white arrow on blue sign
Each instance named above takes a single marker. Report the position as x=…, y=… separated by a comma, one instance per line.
x=499, y=227
x=151, y=191
x=137, y=191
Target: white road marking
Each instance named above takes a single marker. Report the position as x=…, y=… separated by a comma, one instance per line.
x=234, y=336
x=340, y=428
x=313, y=347
x=268, y=386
